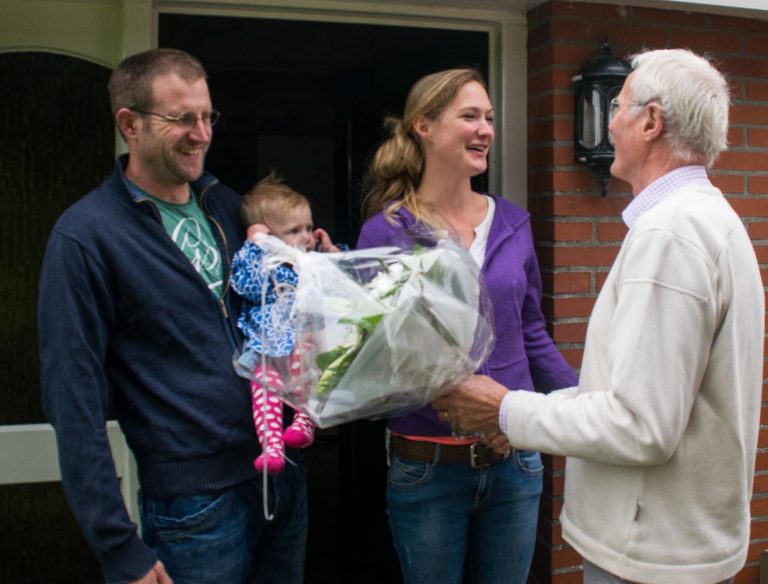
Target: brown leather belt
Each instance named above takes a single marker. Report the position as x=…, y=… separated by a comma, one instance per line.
x=476, y=455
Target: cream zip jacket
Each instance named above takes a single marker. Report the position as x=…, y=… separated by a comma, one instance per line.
x=661, y=432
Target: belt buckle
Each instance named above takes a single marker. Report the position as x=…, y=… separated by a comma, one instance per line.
x=473, y=457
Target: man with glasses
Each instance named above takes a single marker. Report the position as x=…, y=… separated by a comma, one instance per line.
x=136, y=317
x=661, y=433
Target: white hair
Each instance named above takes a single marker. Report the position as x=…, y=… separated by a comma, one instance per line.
x=694, y=98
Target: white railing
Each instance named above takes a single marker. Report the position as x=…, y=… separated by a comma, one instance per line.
x=28, y=454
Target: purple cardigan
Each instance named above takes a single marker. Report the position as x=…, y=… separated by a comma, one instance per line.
x=524, y=356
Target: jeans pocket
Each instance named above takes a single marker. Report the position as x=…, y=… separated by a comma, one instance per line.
x=405, y=473
x=529, y=462
x=179, y=517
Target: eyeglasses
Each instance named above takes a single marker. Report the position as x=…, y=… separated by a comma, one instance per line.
x=186, y=120
x=615, y=106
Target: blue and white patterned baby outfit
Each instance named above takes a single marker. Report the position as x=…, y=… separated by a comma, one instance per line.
x=265, y=316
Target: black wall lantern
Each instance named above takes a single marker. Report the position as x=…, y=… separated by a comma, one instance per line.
x=598, y=82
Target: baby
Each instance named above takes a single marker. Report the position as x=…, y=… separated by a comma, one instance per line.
x=272, y=207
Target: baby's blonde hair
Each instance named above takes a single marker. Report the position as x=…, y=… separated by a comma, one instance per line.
x=267, y=198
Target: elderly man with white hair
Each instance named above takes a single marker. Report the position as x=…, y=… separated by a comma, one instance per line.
x=661, y=432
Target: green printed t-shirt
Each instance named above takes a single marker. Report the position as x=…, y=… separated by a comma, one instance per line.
x=189, y=229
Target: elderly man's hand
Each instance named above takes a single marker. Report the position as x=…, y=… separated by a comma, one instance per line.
x=473, y=405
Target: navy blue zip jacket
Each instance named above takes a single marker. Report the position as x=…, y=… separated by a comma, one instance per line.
x=126, y=325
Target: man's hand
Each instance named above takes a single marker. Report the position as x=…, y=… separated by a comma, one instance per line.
x=473, y=405
x=157, y=575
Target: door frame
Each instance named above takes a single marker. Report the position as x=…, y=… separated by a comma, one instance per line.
x=507, y=54
x=28, y=452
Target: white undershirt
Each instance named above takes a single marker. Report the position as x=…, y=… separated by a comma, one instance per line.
x=477, y=249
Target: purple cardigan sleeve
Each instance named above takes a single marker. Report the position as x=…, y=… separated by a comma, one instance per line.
x=549, y=369
x=525, y=357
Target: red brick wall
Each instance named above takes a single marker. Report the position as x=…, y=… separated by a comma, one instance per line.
x=578, y=233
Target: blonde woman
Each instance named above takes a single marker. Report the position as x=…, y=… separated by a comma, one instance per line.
x=462, y=509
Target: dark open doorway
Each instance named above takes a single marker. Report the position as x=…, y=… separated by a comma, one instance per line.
x=308, y=100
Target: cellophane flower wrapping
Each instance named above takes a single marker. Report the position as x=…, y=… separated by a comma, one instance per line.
x=381, y=331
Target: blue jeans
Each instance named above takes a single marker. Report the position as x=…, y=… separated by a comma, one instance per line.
x=223, y=536
x=452, y=523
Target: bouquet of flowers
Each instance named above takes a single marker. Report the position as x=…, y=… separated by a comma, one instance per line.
x=381, y=331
